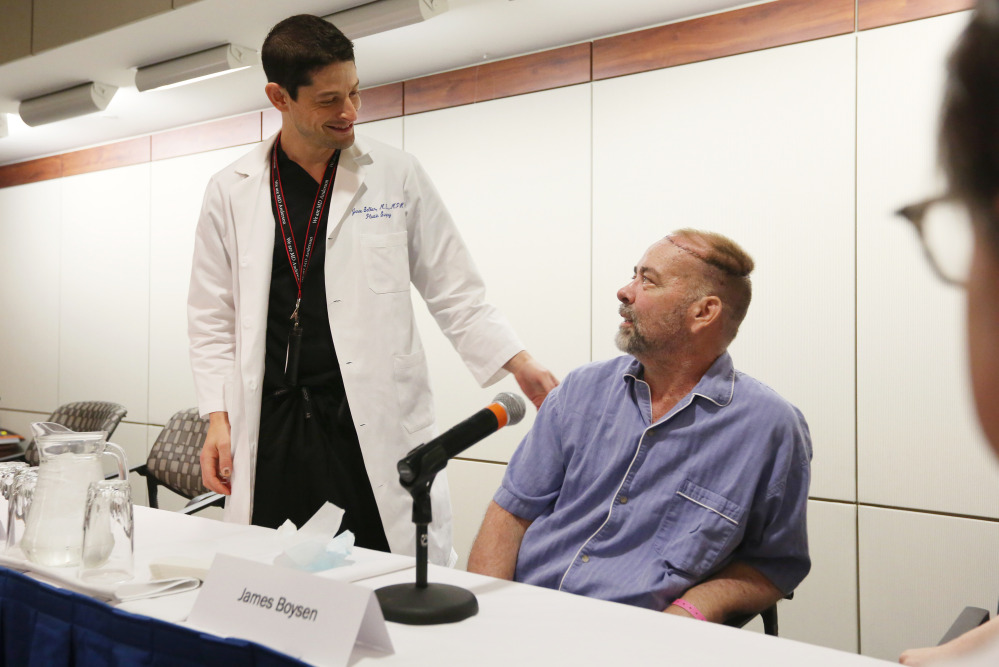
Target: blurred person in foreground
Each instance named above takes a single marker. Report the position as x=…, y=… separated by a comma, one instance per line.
x=663, y=478
x=969, y=152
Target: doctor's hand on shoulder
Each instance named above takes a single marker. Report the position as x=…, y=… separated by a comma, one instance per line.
x=216, y=454
x=534, y=379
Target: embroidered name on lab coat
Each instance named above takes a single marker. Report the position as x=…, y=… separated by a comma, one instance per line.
x=375, y=212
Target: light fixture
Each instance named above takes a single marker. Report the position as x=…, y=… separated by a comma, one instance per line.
x=205, y=64
x=69, y=103
x=383, y=15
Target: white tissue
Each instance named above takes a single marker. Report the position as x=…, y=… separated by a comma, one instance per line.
x=313, y=547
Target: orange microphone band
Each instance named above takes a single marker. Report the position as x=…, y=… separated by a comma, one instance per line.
x=500, y=413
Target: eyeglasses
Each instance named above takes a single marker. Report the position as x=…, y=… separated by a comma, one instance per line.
x=947, y=235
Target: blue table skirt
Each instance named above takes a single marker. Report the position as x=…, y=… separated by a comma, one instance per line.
x=44, y=626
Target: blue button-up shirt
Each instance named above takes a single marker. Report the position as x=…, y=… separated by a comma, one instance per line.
x=636, y=512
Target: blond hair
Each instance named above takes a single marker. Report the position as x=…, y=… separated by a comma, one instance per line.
x=730, y=281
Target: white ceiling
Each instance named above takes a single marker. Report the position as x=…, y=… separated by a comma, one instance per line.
x=469, y=32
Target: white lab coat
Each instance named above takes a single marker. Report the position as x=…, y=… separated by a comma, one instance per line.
x=388, y=228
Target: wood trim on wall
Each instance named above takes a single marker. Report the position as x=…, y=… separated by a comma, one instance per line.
x=380, y=102
x=879, y=13
x=120, y=154
x=763, y=26
x=739, y=31
x=224, y=133
x=565, y=66
x=20, y=173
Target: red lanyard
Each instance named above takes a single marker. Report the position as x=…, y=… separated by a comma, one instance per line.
x=284, y=223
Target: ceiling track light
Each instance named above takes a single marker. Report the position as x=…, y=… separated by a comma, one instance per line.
x=69, y=103
x=195, y=67
x=383, y=15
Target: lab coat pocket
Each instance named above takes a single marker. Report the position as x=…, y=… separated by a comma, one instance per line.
x=412, y=388
x=386, y=261
x=699, y=530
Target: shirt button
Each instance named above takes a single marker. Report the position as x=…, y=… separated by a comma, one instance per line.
x=585, y=558
x=624, y=500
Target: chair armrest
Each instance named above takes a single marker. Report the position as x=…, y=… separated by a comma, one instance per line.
x=16, y=456
x=969, y=619
x=199, y=503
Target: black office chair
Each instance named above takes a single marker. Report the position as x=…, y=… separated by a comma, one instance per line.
x=174, y=462
x=769, y=616
x=969, y=619
x=83, y=417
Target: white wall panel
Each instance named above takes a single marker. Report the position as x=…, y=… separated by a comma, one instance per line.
x=20, y=422
x=515, y=174
x=387, y=131
x=104, y=288
x=132, y=438
x=824, y=608
x=472, y=484
x=917, y=572
x=29, y=296
x=759, y=147
x=913, y=394
x=178, y=187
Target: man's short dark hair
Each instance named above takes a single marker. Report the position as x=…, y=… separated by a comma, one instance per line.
x=298, y=46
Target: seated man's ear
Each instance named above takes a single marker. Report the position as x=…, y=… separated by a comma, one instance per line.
x=706, y=312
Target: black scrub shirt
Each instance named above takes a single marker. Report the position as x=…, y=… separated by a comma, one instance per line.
x=308, y=451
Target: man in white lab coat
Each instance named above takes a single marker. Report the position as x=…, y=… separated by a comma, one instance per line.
x=304, y=346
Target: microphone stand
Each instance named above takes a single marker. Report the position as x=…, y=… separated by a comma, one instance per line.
x=422, y=603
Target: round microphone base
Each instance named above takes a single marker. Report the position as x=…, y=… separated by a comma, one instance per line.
x=429, y=605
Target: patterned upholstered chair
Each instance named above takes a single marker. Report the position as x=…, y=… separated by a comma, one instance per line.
x=174, y=462
x=83, y=417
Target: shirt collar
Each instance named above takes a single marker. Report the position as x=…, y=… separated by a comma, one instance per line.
x=716, y=385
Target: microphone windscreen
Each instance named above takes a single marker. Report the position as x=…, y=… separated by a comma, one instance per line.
x=514, y=406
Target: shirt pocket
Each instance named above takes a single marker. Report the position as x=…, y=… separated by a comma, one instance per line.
x=413, y=391
x=386, y=261
x=698, y=530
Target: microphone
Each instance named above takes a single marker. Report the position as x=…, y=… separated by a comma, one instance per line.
x=426, y=460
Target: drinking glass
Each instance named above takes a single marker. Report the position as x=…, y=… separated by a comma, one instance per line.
x=7, y=471
x=22, y=490
x=108, y=543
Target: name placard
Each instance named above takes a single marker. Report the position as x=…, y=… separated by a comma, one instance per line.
x=311, y=618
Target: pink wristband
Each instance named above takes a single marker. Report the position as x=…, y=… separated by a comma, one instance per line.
x=689, y=608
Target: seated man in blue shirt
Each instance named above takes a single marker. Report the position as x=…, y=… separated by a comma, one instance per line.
x=663, y=478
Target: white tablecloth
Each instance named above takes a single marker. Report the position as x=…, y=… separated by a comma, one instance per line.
x=517, y=624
